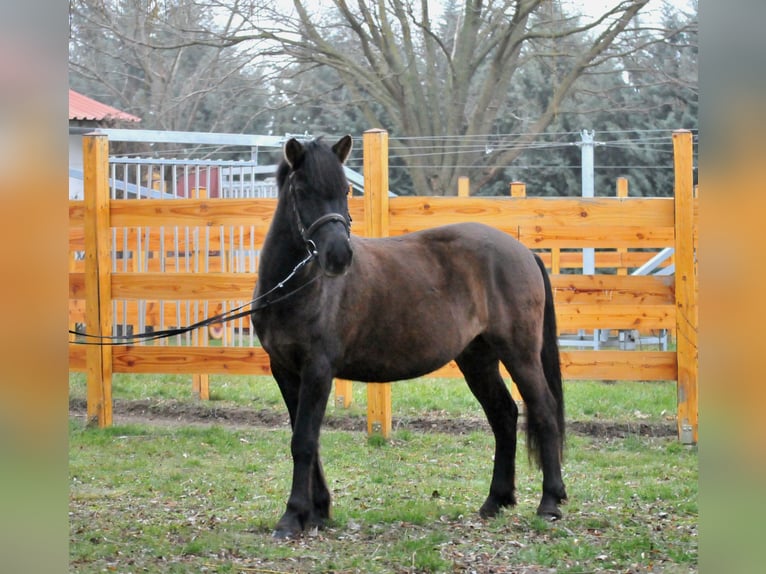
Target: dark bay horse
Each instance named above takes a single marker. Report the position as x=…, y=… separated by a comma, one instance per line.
x=336, y=305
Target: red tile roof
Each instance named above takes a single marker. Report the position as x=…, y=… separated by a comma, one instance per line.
x=84, y=108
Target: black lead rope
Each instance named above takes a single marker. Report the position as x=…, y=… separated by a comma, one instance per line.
x=257, y=304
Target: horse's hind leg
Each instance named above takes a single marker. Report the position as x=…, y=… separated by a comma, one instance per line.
x=543, y=433
x=289, y=386
x=479, y=365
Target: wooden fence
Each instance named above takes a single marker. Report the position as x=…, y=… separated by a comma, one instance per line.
x=623, y=230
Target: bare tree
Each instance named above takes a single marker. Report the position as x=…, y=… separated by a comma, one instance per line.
x=156, y=59
x=420, y=75
x=433, y=77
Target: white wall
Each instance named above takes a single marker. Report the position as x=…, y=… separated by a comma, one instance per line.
x=75, y=164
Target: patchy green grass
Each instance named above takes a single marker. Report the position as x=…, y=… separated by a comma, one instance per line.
x=204, y=499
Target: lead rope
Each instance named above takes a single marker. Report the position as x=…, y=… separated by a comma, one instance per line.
x=236, y=313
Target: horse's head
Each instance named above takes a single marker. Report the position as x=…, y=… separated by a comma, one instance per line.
x=317, y=189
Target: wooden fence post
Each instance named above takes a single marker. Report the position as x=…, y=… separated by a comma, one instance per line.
x=201, y=381
x=344, y=394
x=98, y=280
x=375, y=151
x=686, y=288
x=622, y=192
x=518, y=189
x=463, y=186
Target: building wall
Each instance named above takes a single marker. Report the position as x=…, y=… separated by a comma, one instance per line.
x=75, y=167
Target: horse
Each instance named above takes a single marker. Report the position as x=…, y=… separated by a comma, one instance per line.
x=332, y=304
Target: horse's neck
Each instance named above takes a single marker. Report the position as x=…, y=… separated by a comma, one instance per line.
x=280, y=254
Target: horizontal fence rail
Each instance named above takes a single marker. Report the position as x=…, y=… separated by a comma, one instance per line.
x=138, y=264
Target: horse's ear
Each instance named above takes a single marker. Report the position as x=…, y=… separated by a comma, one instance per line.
x=293, y=152
x=343, y=148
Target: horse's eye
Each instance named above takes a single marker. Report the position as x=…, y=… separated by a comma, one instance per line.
x=300, y=190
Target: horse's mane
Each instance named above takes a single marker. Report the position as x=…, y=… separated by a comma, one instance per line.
x=282, y=171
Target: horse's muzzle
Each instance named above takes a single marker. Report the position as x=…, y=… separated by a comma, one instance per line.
x=335, y=256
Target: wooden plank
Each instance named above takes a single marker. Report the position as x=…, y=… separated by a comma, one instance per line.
x=192, y=212
x=408, y=214
x=619, y=365
x=501, y=212
x=417, y=212
x=191, y=360
x=412, y=213
x=601, y=365
x=570, y=317
x=221, y=286
x=637, y=299
x=615, y=290
x=192, y=286
x=543, y=236
x=641, y=317
x=595, y=365
x=98, y=265
x=686, y=288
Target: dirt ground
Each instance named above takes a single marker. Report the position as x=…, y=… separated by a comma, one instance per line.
x=172, y=413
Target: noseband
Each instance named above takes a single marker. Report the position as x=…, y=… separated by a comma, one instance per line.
x=307, y=233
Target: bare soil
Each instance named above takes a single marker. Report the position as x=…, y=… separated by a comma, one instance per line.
x=172, y=413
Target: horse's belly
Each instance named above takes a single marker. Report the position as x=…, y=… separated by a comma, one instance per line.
x=372, y=371
x=391, y=359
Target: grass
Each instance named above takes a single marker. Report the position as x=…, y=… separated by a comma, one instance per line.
x=205, y=498
x=585, y=400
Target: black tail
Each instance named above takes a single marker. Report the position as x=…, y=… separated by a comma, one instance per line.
x=551, y=364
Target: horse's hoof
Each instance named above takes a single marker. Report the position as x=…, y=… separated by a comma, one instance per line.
x=288, y=527
x=492, y=506
x=285, y=534
x=489, y=511
x=549, y=513
x=317, y=521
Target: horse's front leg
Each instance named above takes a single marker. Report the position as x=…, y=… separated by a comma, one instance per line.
x=290, y=385
x=302, y=508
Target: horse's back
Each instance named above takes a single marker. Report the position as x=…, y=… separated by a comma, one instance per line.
x=456, y=253
x=419, y=299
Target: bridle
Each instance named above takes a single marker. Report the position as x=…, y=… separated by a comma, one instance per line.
x=307, y=233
